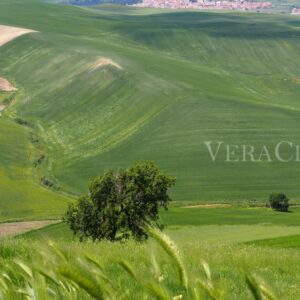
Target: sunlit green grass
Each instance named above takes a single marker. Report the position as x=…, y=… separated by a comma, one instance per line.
x=229, y=263
x=265, y=244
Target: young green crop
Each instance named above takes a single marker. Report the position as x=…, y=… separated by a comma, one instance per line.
x=107, y=271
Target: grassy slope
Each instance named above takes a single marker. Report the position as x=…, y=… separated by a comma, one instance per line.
x=231, y=250
x=291, y=241
x=187, y=77
x=228, y=264
x=21, y=197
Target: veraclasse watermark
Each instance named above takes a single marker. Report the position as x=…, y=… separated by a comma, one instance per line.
x=283, y=151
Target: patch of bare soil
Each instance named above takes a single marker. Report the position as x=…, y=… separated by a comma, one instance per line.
x=6, y=86
x=9, y=33
x=102, y=62
x=208, y=206
x=14, y=228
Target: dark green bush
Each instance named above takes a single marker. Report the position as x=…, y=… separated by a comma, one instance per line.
x=24, y=122
x=279, y=202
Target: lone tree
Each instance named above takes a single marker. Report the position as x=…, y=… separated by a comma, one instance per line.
x=119, y=203
x=279, y=202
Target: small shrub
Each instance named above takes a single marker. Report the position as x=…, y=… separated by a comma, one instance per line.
x=49, y=183
x=24, y=122
x=39, y=160
x=279, y=202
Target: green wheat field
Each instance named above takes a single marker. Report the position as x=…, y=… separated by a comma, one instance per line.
x=101, y=87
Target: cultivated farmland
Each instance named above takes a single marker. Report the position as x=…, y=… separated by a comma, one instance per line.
x=168, y=82
x=86, y=89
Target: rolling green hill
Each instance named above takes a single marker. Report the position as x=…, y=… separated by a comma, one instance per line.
x=183, y=78
x=21, y=197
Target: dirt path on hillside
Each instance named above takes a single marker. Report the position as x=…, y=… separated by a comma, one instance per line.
x=9, y=33
x=14, y=228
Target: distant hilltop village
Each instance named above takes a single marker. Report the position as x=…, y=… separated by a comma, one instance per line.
x=204, y=4
x=296, y=11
